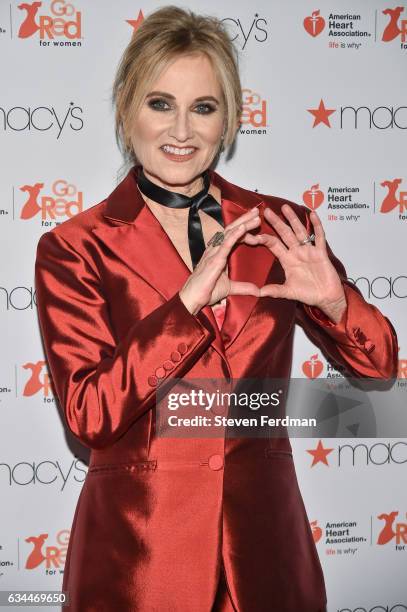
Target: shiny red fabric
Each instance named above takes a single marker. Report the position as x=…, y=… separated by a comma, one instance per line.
x=219, y=310
x=158, y=520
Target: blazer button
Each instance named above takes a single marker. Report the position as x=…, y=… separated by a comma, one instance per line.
x=182, y=347
x=160, y=372
x=168, y=365
x=176, y=356
x=152, y=381
x=215, y=462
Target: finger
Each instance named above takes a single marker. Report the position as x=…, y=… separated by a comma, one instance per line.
x=214, y=259
x=300, y=230
x=249, y=225
x=253, y=213
x=230, y=237
x=318, y=230
x=282, y=229
x=243, y=288
x=252, y=239
x=216, y=256
x=211, y=249
x=275, y=291
x=276, y=246
x=238, y=233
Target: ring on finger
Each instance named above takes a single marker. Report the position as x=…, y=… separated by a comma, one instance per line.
x=310, y=238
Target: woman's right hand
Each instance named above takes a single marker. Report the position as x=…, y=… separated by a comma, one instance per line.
x=209, y=282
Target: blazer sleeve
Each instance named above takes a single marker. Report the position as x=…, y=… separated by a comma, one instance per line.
x=104, y=386
x=364, y=341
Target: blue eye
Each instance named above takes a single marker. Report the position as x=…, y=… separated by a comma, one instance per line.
x=208, y=109
x=158, y=104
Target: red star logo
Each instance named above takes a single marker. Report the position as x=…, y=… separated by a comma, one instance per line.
x=320, y=454
x=321, y=114
x=136, y=23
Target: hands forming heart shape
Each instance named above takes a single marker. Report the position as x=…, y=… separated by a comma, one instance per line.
x=310, y=276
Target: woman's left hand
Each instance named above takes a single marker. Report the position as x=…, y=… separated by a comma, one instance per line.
x=310, y=276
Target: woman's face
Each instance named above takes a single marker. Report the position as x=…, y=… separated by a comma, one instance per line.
x=178, y=129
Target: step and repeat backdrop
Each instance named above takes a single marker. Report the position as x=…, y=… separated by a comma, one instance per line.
x=324, y=125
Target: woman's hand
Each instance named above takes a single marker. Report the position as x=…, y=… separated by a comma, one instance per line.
x=310, y=276
x=209, y=282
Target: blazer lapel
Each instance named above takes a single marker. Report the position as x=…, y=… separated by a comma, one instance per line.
x=245, y=263
x=137, y=238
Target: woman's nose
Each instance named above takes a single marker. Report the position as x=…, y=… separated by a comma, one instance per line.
x=181, y=128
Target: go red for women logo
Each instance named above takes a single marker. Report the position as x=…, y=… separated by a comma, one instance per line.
x=64, y=201
x=402, y=368
x=51, y=557
x=39, y=380
x=254, y=113
x=394, y=530
x=396, y=26
x=58, y=19
x=395, y=196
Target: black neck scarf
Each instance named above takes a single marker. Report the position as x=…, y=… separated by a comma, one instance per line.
x=202, y=200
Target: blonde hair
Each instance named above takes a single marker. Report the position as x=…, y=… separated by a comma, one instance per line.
x=163, y=36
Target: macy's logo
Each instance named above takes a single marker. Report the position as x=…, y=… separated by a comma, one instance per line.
x=136, y=23
x=376, y=454
x=50, y=555
x=362, y=117
x=59, y=203
x=64, y=21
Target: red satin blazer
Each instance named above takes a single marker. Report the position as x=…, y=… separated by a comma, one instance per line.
x=157, y=518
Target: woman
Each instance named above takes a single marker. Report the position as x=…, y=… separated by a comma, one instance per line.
x=131, y=293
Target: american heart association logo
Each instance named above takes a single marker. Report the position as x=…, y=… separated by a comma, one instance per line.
x=314, y=23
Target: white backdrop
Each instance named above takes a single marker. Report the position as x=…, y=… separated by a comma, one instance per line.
x=58, y=156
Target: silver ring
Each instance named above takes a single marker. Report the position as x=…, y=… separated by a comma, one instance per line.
x=216, y=239
x=310, y=238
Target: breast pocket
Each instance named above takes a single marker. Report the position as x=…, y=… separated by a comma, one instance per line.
x=114, y=469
